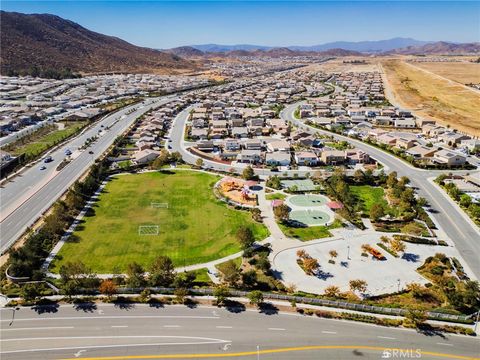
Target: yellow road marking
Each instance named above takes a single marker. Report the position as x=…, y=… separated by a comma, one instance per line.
x=272, y=351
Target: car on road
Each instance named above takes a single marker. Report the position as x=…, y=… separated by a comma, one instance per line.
x=43, y=167
x=90, y=152
x=68, y=152
x=48, y=159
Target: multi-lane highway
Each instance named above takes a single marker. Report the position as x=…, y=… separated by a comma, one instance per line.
x=27, y=196
x=106, y=331
x=463, y=233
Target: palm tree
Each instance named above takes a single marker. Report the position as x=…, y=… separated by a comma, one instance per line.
x=332, y=291
x=301, y=254
x=365, y=248
x=310, y=265
x=358, y=285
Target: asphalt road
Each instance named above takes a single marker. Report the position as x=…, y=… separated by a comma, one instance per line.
x=28, y=195
x=465, y=235
x=103, y=330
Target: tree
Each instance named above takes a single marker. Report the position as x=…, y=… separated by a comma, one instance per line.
x=230, y=272
x=416, y=317
x=184, y=280
x=310, y=265
x=256, y=214
x=412, y=228
x=108, y=287
x=358, y=176
x=415, y=288
x=358, y=285
x=281, y=212
x=135, y=275
x=385, y=239
x=249, y=278
x=255, y=297
x=332, y=291
x=333, y=254
x=30, y=292
x=465, y=200
x=248, y=173
x=162, y=271
x=302, y=254
x=392, y=179
x=398, y=245
x=274, y=182
x=221, y=293
x=161, y=160
x=199, y=162
x=376, y=212
x=365, y=248
x=245, y=237
x=180, y=295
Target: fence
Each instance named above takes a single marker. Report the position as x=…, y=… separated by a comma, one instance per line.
x=316, y=301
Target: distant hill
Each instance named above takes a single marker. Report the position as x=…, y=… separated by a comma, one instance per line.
x=48, y=43
x=362, y=46
x=439, y=48
x=185, y=51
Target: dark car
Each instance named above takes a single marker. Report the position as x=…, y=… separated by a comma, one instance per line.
x=90, y=152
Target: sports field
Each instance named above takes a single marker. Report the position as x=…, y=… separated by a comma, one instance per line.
x=195, y=228
x=369, y=195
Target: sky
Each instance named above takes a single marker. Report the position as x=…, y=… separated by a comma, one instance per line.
x=166, y=24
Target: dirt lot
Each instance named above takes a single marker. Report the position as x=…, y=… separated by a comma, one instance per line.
x=338, y=65
x=433, y=97
x=461, y=72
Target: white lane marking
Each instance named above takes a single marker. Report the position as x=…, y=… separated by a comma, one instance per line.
x=276, y=329
x=205, y=341
x=329, y=332
x=78, y=353
x=117, y=317
x=171, y=326
x=386, y=337
x=119, y=326
x=38, y=328
x=444, y=344
x=224, y=327
x=100, y=312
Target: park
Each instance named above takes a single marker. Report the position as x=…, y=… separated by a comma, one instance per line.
x=141, y=216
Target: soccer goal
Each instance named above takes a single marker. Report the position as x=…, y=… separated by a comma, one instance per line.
x=159, y=205
x=148, y=230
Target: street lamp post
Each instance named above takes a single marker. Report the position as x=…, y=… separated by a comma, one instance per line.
x=398, y=287
x=348, y=252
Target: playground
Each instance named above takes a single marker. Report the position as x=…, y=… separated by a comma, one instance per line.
x=238, y=191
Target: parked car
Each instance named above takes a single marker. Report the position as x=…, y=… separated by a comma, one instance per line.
x=43, y=167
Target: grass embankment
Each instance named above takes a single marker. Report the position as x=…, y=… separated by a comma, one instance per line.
x=276, y=196
x=196, y=227
x=311, y=232
x=434, y=97
x=44, y=138
x=369, y=195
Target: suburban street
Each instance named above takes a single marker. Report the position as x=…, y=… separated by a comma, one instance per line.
x=32, y=192
x=453, y=221
x=95, y=331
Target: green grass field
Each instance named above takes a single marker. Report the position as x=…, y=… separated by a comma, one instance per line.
x=369, y=195
x=196, y=228
x=43, y=139
x=311, y=232
x=275, y=196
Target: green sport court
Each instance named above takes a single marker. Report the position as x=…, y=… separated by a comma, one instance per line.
x=301, y=184
x=308, y=200
x=310, y=217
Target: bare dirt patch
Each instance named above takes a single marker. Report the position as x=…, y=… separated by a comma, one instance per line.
x=430, y=96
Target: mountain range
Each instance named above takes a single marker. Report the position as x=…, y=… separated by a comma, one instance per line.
x=47, y=42
x=362, y=46
x=39, y=44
